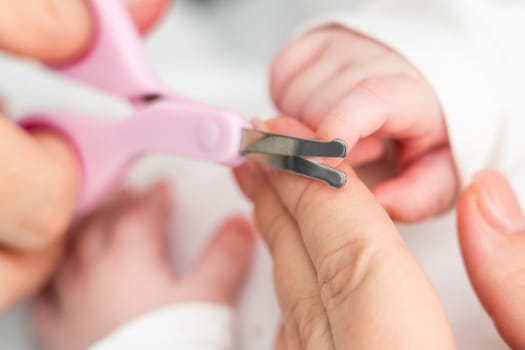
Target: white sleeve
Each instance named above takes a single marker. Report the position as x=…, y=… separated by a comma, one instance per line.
x=473, y=54
x=192, y=326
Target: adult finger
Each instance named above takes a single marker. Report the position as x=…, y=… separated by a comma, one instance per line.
x=21, y=274
x=305, y=320
x=59, y=31
x=363, y=268
x=37, y=208
x=491, y=229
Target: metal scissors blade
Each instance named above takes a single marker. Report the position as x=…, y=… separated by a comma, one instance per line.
x=287, y=153
x=255, y=141
x=304, y=167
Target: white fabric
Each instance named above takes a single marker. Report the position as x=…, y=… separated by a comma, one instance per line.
x=191, y=326
x=473, y=53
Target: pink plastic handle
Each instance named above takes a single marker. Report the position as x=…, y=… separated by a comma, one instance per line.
x=116, y=62
x=172, y=124
x=105, y=150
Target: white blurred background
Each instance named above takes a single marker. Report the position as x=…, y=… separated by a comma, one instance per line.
x=219, y=51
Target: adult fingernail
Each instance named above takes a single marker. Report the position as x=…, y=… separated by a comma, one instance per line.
x=497, y=202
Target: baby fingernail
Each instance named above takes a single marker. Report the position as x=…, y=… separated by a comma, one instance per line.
x=498, y=203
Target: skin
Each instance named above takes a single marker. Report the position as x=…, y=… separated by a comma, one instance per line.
x=491, y=227
x=338, y=290
x=129, y=235
x=345, y=85
x=39, y=179
x=344, y=278
x=58, y=31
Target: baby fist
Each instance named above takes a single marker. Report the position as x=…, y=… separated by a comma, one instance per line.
x=345, y=85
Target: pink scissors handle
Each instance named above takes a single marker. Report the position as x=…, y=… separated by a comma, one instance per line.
x=116, y=63
x=106, y=149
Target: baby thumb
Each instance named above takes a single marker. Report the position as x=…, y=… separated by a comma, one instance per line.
x=491, y=228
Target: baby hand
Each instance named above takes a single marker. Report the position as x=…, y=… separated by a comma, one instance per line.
x=118, y=271
x=345, y=85
x=39, y=175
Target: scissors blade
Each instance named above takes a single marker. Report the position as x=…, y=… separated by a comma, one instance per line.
x=255, y=141
x=301, y=166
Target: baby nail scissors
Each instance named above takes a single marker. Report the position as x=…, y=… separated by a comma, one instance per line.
x=162, y=121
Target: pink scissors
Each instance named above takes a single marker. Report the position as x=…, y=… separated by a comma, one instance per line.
x=162, y=121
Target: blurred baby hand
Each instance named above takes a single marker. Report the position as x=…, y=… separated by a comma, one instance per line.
x=118, y=270
x=345, y=85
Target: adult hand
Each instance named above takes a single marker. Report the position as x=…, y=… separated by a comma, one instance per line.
x=39, y=179
x=57, y=31
x=491, y=228
x=343, y=275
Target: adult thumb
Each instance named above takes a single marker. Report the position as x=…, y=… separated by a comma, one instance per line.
x=373, y=293
x=58, y=31
x=491, y=229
